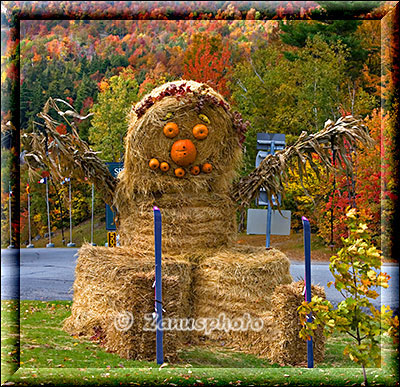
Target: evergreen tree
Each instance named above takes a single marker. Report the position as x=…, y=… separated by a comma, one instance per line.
x=87, y=88
x=296, y=33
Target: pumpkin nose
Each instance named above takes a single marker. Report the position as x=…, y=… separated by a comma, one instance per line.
x=183, y=152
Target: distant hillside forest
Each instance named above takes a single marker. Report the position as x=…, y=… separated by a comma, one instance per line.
x=283, y=76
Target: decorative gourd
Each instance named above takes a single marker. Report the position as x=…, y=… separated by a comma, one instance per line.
x=207, y=168
x=183, y=152
x=200, y=131
x=154, y=164
x=164, y=166
x=195, y=170
x=171, y=130
x=179, y=172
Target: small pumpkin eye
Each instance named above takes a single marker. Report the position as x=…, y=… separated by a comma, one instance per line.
x=200, y=131
x=171, y=130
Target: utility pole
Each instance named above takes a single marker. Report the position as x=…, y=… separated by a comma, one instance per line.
x=28, y=191
x=48, y=212
x=70, y=244
x=92, y=223
x=11, y=246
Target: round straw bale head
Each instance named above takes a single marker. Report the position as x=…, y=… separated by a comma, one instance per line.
x=199, y=130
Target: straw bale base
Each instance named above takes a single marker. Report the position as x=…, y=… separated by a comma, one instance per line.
x=287, y=347
x=242, y=283
x=237, y=284
x=113, y=285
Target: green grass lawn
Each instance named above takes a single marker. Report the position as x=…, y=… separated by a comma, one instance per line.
x=50, y=356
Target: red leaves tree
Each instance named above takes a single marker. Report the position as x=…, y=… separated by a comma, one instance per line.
x=373, y=186
x=207, y=60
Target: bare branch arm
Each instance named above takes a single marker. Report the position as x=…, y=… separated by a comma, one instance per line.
x=66, y=155
x=272, y=173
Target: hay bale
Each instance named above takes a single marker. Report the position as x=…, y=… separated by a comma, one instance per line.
x=109, y=283
x=191, y=222
x=286, y=346
x=237, y=281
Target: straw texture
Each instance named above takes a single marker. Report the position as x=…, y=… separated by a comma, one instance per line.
x=286, y=346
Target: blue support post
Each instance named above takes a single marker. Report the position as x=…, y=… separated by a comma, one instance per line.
x=269, y=210
x=158, y=285
x=307, y=256
x=268, y=232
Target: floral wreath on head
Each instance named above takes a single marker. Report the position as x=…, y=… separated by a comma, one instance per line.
x=184, y=89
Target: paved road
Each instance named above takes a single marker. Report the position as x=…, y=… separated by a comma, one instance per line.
x=45, y=274
x=48, y=274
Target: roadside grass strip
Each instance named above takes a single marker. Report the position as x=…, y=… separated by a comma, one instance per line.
x=49, y=356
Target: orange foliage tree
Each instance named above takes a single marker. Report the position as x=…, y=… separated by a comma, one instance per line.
x=207, y=60
x=370, y=189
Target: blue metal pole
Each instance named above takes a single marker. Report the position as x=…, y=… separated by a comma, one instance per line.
x=307, y=256
x=158, y=284
x=269, y=209
x=268, y=232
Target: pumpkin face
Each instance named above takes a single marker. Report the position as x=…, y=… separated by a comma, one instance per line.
x=183, y=152
x=182, y=124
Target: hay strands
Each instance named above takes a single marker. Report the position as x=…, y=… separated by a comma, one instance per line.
x=272, y=173
x=66, y=155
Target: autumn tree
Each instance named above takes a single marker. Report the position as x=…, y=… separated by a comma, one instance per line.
x=110, y=120
x=207, y=60
x=370, y=189
x=356, y=272
x=282, y=96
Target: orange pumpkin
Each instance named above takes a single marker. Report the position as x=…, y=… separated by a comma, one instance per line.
x=164, y=166
x=154, y=164
x=195, y=170
x=207, y=168
x=183, y=152
x=171, y=130
x=200, y=131
x=179, y=172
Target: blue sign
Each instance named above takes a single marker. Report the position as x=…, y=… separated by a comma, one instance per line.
x=267, y=144
x=114, y=168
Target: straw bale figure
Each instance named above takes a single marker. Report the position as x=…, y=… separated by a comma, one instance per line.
x=182, y=154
